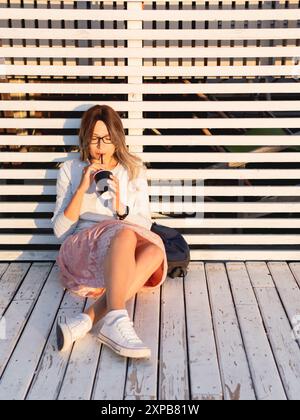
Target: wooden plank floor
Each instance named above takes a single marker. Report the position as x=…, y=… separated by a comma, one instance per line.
x=223, y=332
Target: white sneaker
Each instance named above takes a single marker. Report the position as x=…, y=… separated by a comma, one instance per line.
x=70, y=330
x=117, y=332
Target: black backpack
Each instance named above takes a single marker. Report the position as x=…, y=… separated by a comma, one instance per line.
x=177, y=250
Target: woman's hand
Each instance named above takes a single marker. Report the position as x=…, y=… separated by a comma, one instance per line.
x=88, y=173
x=114, y=187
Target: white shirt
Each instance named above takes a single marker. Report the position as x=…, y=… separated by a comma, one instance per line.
x=94, y=208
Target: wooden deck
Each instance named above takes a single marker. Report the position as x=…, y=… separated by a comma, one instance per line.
x=223, y=332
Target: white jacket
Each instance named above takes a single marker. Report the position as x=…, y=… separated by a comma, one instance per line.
x=94, y=209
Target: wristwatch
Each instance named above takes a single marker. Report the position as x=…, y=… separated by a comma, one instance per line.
x=122, y=216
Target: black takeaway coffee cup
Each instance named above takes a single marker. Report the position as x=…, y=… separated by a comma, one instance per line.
x=101, y=177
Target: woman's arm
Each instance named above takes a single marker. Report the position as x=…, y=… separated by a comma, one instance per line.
x=67, y=209
x=140, y=212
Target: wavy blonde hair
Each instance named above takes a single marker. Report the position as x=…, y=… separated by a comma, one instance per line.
x=114, y=125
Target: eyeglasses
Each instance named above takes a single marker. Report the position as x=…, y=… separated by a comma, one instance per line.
x=106, y=140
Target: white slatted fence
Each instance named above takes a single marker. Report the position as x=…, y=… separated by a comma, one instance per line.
x=190, y=80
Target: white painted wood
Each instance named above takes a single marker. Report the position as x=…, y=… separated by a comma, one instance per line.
x=184, y=2
x=80, y=372
x=174, y=157
x=93, y=34
x=260, y=275
x=235, y=374
x=295, y=269
x=224, y=140
x=287, y=287
x=19, y=309
x=150, y=52
x=50, y=371
x=21, y=367
x=243, y=239
x=142, y=377
x=48, y=376
x=10, y=282
x=156, y=122
x=266, y=379
x=234, y=43
x=191, y=239
x=179, y=71
x=28, y=255
x=219, y=207
x=163, y=174
x=203, y=360
x=190, y=2
x=156, y=88
x=173, y=371
x=139, y=106
x=3, y=268
x=136, y=14
x=137, y=61
x=285, y=348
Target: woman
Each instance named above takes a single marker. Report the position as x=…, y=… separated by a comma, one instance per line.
x=108, y=251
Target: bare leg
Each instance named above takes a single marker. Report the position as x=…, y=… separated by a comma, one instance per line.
x=119, y=268
x=148, y=258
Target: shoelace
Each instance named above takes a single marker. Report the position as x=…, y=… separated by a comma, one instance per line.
x=125, y=326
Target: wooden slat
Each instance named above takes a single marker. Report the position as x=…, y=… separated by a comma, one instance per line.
x=222, y=45
x=176, y=106
x=173, y=189
x=295, y=269
x=173, y=372
x=244, y=255
x=214, y=3
x=221, y=140
x=142, y=376
x=235, y=373
x=161, y=15
x=273, y=368
x=3, y=268
x=153, y=88
x=21, y=367
x=285, y=348
x=208, y=207
x=264, y=372
x=80, y=372
x=164, y=174
x=149, y=52
x=172, y=157
x=203, y=359
x=168, y=123
x=123, y=71
x=49, y=374
x=287, y=287
x=10, y=282
x=20, y=308
x=144, y=34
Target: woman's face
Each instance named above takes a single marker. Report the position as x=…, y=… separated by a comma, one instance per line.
x=104, y=147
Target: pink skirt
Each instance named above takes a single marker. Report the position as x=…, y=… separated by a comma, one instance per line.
x=81, y=257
